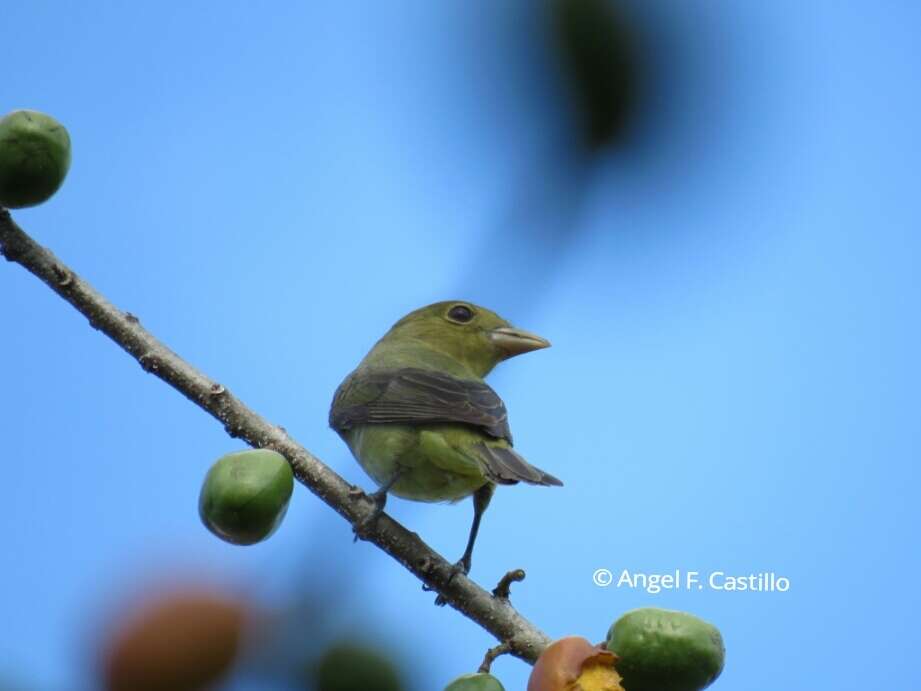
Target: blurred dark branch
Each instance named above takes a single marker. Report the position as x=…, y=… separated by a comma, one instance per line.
x=494, y=614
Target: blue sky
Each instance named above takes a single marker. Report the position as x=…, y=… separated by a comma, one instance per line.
x=733, y=299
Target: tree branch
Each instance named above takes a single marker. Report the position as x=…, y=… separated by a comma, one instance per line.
x=496, y=615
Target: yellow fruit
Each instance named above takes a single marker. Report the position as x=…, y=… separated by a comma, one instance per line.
x=574, y=664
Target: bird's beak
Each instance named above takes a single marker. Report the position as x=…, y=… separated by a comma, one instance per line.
x=514, y=341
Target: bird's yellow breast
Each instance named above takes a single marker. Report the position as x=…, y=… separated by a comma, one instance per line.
x=434, y=461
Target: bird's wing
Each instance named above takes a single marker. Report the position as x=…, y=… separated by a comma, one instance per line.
x=417, y=396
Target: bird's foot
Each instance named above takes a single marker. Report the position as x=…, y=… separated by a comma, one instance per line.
x=461, y=567
x=362, y=527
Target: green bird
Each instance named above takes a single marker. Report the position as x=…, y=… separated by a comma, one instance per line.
x=421, y=421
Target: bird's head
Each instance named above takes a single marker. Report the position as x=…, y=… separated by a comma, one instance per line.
x=468, y=333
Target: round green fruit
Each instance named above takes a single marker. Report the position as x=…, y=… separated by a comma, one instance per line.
x=475, y=682
x=663, y=650
x=34, y=158
x=245, y=495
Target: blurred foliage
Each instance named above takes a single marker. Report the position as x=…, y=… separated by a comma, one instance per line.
x=315, y=629
x=353, y=666
x=594, y=58
x=598, y=48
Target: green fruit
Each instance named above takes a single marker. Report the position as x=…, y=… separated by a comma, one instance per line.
x=475, y=682
x=663, y=650
x=245, y=495
x=353, y=667
x=34, y=158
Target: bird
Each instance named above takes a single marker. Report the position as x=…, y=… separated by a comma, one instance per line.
x=418, y=416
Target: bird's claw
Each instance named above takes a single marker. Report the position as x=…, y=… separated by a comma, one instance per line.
x=461, y=567
x=363, y=527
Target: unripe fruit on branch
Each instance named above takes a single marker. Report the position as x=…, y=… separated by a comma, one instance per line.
x=574, y=664
x=245, y=495
x=475, y=682
x=663, y=650
x=34, y=158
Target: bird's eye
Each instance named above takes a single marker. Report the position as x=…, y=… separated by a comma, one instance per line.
x=460, y=314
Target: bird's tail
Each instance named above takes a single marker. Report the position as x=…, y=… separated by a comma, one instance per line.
x=505, y=467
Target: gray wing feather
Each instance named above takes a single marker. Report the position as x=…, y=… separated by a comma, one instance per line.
x=505, y=467
x=417, y=396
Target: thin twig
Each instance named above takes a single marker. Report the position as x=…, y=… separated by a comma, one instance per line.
x=491, y=655
x=524, y=640
x=504, y=589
